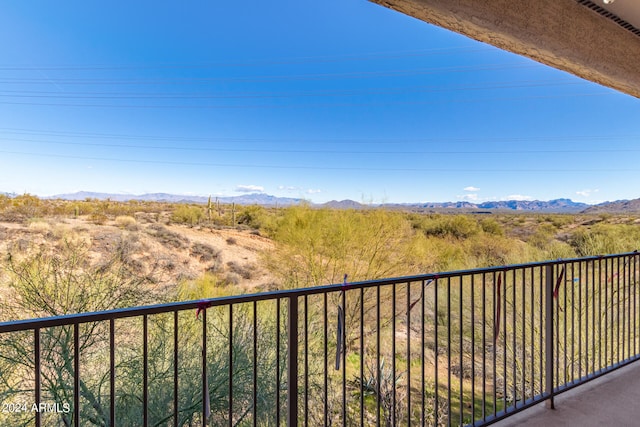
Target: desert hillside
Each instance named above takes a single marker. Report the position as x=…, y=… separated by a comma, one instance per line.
x=168, y=253
x=178, y=251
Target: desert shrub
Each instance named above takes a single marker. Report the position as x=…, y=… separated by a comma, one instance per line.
x=51, y=282
x=542, y=236
x=127, y=222
x=605, y=239
x=319, y=246
x=39, y=226
x=456, y=226
x=186, y=214
x=231, y=241
x=232, y=278
x=252, y=216
x=557, y=249
x=204, y=252
x=29, y=206
x=5, y=201
x=245, y=271
x=491, y=226
x=205, y=286
x=168, y=237
x=214, y=266
x=429, y=254
x=98, y=218
x=560, y=220
x=489, y=250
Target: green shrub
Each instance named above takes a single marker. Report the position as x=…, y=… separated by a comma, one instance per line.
x=491, y=226
x=456, y=226
x=606, y=239
x=186, y=214
x=252, y=216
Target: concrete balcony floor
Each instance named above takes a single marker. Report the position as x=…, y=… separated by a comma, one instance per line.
x=612, y=400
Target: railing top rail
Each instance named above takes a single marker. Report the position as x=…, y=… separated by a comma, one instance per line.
x=69, y=319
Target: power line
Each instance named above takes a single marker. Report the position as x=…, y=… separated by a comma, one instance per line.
x=264, y=95
x=285, y=77
x=310, y=105
x=324, y=140
x=324, y=151
x=255, y=63
x=426, y=168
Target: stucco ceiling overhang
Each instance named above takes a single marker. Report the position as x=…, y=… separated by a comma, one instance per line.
x=592, y=39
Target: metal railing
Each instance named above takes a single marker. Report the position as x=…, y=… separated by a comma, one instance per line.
x=465, y=347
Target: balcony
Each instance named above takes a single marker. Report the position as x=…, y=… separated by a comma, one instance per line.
x=457, y=348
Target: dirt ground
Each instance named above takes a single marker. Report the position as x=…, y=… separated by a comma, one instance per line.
x=171, y=252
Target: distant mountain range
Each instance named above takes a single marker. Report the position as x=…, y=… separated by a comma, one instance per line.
x=619, y=206
x=248, y=199
x=557, y=205
x=551, y=206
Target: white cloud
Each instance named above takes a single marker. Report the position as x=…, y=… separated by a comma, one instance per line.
x=471, y=197
x=471, y=188
x=249, y=189
x=518, y=197
x=313, y=191
x=289, y=188
x=586, y=193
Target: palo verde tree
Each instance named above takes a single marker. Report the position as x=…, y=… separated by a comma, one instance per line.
x=44, y=283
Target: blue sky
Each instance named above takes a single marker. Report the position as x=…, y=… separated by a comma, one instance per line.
x=339, y=99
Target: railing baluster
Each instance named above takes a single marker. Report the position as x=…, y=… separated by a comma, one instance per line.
x=533, y=336
x=37, y=370
x=461, y=349
x=541, y=328
x=378, y=373
x=343, y=355
x=393, y=352
x=76, y=374
x=175, y=369
x=484, y=346
x=524, y=335
x=145, y=371
x=306, y=361
x=112, y=373
x=504, y=342
x=620, y=313
x=634, y=280
x=435, y=352
x=593, y=316
x=422, y=354
x=563, y=379
x=408, y=352
x=278, y=356
x=580, y=321
x=362, y=356
x=230, y=390
x=549, y=336
x=292, y=362
x=627, y=282
x=205, y=383
x=513, y=331
x=601, y=335
x=493, y=348
x=325, y=390
x=255, y=363
x=473, y=349
x=606, y=310
x=449, y=350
